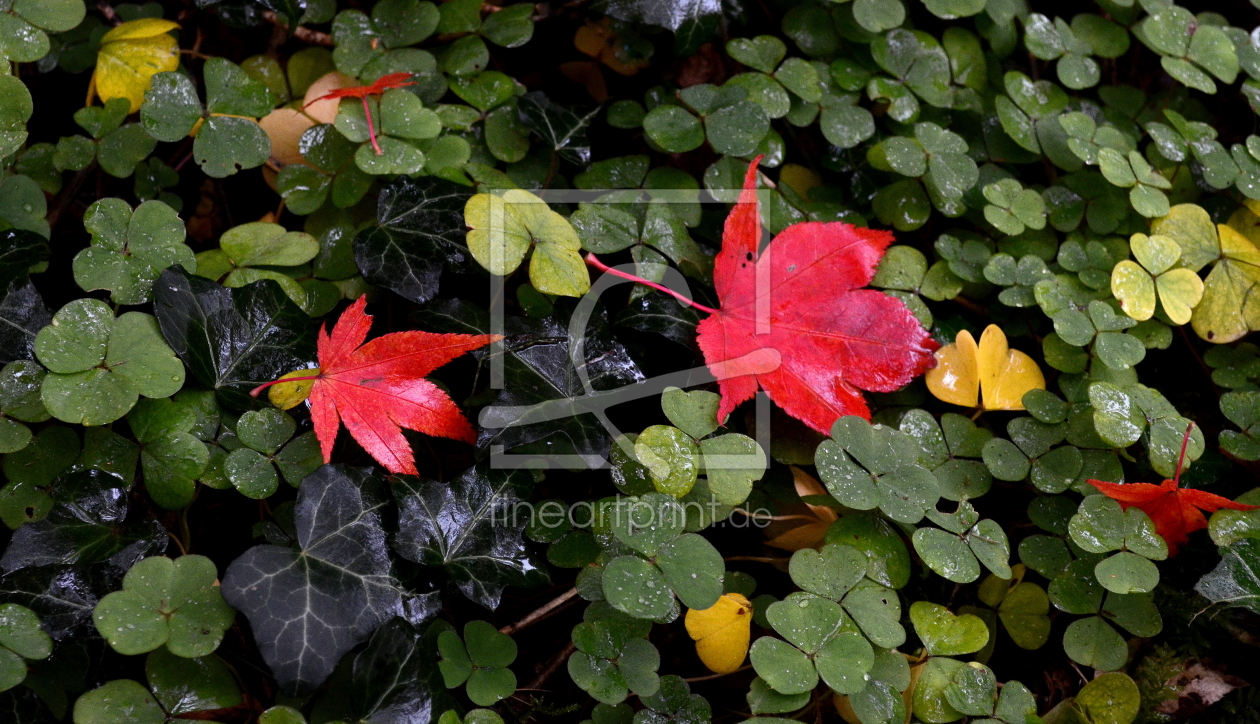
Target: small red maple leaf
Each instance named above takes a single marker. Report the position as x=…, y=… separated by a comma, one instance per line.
x=795, y=321
x=382, y=84
x=1176, y=511
x=378, y=387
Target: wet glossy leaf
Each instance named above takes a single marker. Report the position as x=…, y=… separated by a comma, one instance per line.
x=945, y=634
x=233, y=339
x=337, y=581
x=469, y=526
x=166, y=602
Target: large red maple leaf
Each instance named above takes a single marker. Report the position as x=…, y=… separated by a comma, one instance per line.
x=379, y=387
x=795, y=321
x=1176, y=511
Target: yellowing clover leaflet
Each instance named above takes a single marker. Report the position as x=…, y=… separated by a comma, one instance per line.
x=130, y=55
x=503, y=230
x=1229, y=309
x=1136, y=284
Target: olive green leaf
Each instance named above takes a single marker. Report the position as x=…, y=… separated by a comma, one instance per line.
x=130, y=248
x=99, y=366
x=259, y=250
x=945, y=634
x=671, y=457
x=164, y=601
x=505, y=227
x=20, y=638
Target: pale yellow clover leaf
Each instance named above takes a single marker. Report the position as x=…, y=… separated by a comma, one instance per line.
x=287, y=395
x=990, y=374
x=130, y=55
x=505, y=227
x=1137, y=284
x=1230, y=307
x=721, y=632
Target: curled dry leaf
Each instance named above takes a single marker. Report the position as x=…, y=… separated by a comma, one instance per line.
x=285, y=126
x=325, y=111
x=806, y=524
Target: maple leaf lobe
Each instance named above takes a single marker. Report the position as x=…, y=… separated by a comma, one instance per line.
x=1176, y=512
x=802, y=297
x=376, y=388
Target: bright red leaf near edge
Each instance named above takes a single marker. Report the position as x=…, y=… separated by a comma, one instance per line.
x=379, y=387
x=831, y=337
x=1176, y=511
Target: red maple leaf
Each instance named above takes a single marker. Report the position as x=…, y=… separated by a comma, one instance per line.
x=1176, y=511
x=378, y=387
x=382, y=84
x=795, y=321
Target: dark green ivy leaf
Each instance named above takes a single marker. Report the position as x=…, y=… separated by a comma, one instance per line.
x=421, y=232
x=470, y=527
x=232, y=339
x=309, y=606
x=537, y=369
x=88, y=524
x=22, y=315
x=563, y=129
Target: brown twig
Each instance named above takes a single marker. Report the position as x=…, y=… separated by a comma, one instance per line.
x=111, y=15
x=314, y=37
x=552, y=666
x=68, y=193
x=541, y=613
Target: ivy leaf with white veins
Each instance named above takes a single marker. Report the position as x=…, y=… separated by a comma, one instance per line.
x=232, y=340
x=469, y=526
x=88, y=524
x=420, y=232
x=310, y=605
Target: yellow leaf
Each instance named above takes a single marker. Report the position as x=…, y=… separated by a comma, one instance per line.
x=956, y=376
x=1005, y=373
x=130, y=55
x=1230, y=309
x=287, y=395
x=721, y=632
x=991, y=371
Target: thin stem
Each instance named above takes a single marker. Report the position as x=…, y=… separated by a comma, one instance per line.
x=710, y=677
x=367, y=113
x=755, y=516
x=595, y=262
x=552, y=667
x=1185, y=440
x=257, y=390
x=538, y=615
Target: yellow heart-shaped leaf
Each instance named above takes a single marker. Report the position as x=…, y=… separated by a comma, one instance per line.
x=1180, y=291
x=956, y=376
x=1005, y=373
x=721, y=632
x=1133, y=287
x=964, y=371
x=130, y=55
